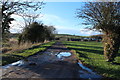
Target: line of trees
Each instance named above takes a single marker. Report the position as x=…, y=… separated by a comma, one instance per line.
x=105, y=17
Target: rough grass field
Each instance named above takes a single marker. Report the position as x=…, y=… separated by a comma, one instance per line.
x=15, y=56
x=91, y=54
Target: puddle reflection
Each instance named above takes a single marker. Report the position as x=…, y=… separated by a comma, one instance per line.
x=18, y=63
x=89, y=74
x=63, y=54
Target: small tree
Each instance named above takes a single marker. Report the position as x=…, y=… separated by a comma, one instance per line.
x=35, y=33
x=50, y=31
x=105, y=17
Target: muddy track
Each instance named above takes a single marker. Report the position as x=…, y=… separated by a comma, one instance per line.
x=47, y=65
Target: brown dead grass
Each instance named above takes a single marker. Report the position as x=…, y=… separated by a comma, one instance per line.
x=14, y=47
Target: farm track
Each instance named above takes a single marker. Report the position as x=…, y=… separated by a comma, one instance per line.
x=47, y=65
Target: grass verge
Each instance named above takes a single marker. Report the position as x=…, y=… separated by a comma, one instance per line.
x=15, y=56
x=91, y=54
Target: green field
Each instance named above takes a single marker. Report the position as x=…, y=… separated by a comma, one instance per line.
x=15, y=56
x=91, y=54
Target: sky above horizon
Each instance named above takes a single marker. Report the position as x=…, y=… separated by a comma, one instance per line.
x=62, y=16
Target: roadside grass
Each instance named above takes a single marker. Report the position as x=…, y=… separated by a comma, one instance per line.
x=12, y=46
x=15, y=56
x=91, y=54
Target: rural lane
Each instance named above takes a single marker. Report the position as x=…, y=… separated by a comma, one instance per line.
x=48, y=65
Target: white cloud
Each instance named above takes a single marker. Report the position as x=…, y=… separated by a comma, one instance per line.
x=17, y=24
x=75, y=31
x=15, y=16
x=88, y=32
x=51, y=19
x=66, y=28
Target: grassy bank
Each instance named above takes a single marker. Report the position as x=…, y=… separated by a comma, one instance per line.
x=15, y=56
x=91, y=53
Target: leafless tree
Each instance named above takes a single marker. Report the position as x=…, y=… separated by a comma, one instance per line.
x=104, y=16
x=29, y=17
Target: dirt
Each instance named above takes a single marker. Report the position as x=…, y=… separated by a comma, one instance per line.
x=47, y=65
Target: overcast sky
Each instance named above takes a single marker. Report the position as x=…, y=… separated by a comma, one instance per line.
x=62, y=16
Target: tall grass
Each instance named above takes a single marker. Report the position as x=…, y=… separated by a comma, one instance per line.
x=12, y=46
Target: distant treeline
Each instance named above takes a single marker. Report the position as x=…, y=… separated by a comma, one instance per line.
x=76, y=36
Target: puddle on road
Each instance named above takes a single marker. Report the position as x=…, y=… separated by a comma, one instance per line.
x=18, y=63
x=89, y=74
x=61, y=55
x=85, y=68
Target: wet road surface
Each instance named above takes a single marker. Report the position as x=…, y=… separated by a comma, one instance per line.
x=49, y=65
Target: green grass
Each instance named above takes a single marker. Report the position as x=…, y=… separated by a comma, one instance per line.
x=12, y=57
x=91, y=53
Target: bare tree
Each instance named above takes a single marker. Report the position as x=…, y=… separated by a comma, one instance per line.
x=10, y=7
x=104, y=16
x=29, y=17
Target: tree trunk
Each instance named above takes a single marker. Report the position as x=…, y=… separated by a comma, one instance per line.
x=111, y=47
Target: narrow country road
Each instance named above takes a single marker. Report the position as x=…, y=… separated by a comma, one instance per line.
x=47, y=65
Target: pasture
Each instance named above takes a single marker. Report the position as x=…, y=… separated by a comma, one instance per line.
x=91, y=54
